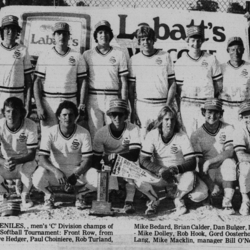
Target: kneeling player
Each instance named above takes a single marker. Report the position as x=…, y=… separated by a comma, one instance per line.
x=18, y=137
x=65, y=158
x=167, y=152
x=242, y=149
x=213, y=144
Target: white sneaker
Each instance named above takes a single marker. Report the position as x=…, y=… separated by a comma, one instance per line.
x=244, y=209
x=26, y=201
x=228, y=211
x=180, y=208
x=152, y=207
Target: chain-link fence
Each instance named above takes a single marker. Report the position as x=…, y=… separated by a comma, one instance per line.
x=231, y=6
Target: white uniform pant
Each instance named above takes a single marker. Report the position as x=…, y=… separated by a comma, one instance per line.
x=191, y=115
x=147, y=112
x=97, y=107
x=22, y=171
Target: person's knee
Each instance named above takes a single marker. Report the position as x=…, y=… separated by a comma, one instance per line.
x=244, y=169
x=187, y=181
x=228, y=170
x=39, y=177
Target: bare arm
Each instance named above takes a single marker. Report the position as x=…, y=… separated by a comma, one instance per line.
x=86, y=164
x=178, y=96
x=28, y=92
x=38, y=88
x=171, y=91
x=124, y=90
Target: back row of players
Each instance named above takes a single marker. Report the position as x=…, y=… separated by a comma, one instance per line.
x=94, y=81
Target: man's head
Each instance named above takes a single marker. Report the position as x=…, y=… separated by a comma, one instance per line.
x=118, y=112
x=61, y=33
x=167, y=121
x=146, y=38
x=66, y=113
x=235, y=48
x=13, y=110
x=195, y=37
x=10, y=28
x=103, y=32
x=212, y=110
x=244, y=112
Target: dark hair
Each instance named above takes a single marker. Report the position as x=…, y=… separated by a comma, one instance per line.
x=66, y=105
x=158, y=122
x=145, y=31
x=203, y=111
x=15, y=103
x=17, y=28
x=103, y=28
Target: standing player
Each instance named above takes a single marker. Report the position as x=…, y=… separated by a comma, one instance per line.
x=151, y=72
x=16, y=69
x=107, y=68
x=198, y=76
x=119, y=137
x=18, y=137
x=167, y=152
x=236, y=80
x=60, y=74
x=213, y=144
x=65, y=158
x=242, y=149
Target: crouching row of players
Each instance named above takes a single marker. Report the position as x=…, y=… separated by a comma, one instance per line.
x=66, y=155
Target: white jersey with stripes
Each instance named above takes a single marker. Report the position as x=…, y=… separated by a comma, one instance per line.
x=14, y=65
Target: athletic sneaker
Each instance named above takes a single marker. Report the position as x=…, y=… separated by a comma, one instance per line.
x=129, y=207
x=180, y=208
x=228, y=211
x=227, y=205
x=26, y=201
x=244, y=209
x=152, y=207
x=81, y=204
x=49, y=204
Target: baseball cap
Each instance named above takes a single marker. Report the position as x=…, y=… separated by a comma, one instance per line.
x=244, y=107
x=61, y=26
x=213, y=104
x=117, y=105
x=10, y=20
x=234, y=40
x=103, y=23
x=195, y=31
x=10, y=208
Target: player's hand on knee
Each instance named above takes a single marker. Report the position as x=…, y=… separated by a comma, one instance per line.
x=10, y=164
x=72, y=179
x=168, y=174
x=60, y=176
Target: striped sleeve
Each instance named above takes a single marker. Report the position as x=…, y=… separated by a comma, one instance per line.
x=131, y=69
x=98, y=146
x=123, y=66
x=216, y=70
x=28, y=69
x=40, y=67
x=239, y=140
x=82, y=69
x=32, y=137
x=196, y=145
x=229, y=137
x=170, y=68
x=148, y=145
x=178, y=73
x=135, y=138
x=86, y=148
x=45, y=146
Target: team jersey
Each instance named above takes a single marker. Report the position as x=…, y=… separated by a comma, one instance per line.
x=16, y=143
x=241, y=139
x=66, y=152
x=175, y=152
x=151, y=74
x=60, y=72
x=105, y=142
x=14, y=65
x=208, y=145
x=105, y=70
x=236, y=82
x=197, y=75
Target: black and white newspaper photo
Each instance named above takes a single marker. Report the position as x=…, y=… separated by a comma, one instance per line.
x=124, y=124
